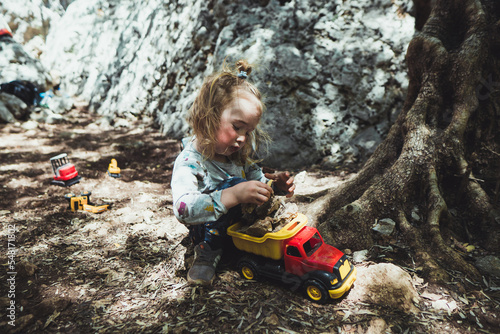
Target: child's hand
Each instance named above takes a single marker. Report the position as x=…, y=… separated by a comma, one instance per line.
x=254, y=192
x=284, y=182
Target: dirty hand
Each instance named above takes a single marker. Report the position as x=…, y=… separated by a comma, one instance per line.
x=254, y=192
x=284, y=182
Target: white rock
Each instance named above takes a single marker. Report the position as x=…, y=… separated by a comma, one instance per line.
x=386, y=285
x=384, y=226
x=360, y=256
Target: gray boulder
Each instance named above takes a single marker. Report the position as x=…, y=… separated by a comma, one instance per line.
x=12, y=108
x=333, y=72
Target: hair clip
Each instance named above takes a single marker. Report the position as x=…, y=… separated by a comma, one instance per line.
x=242, y=75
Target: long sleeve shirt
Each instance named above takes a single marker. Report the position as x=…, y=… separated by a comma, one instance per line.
x=194, y=183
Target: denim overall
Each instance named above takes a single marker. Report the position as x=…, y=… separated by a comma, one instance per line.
x=214, y=233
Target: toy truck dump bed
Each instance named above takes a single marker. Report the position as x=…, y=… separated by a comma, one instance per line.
x=271, y=244
x=295, y=255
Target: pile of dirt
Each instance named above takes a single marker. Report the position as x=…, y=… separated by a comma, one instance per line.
x=270, y=217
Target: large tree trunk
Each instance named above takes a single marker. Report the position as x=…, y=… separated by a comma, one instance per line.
x=441, y=158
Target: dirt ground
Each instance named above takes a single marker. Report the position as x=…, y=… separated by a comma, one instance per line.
x=124, y=270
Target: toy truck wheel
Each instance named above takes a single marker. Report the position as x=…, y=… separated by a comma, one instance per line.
x=315, y=291
x=85, y=193
x=247, y=270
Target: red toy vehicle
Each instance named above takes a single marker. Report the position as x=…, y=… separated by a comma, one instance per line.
x=4, y=27
x=65, y=174
x=298, y=256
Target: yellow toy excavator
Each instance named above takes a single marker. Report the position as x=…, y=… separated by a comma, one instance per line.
x=113, y=169
x=82, y=203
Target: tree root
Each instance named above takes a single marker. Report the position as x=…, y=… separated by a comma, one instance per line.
x=435, y=138
x=432, y=270
x=437, y=209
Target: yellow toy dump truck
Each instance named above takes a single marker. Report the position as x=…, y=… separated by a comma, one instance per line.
x=295, y=255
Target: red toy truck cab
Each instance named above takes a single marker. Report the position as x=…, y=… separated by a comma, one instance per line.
x=303, y=260
x=65, y=174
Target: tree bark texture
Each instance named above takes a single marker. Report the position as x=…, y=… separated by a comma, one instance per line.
x=437, y=173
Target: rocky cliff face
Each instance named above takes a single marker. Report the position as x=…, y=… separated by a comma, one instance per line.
x=332, y=72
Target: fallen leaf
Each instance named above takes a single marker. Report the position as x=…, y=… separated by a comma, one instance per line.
x=470, y=248
x=431, y=296
x=52, y=317
x=346, y=315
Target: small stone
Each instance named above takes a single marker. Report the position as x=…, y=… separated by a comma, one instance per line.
x=260, y=227
x=272, y=320
x=384, y=226
x=377, y=325
x=415, y=216
x=360, y=256
x=489, y=264
x=29, y=125
x=26, y=269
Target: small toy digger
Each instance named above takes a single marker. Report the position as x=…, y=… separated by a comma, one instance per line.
x=113, y=169
x=83, y=203
x=65, y=174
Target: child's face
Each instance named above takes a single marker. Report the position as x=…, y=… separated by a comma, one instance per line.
x=238, y=120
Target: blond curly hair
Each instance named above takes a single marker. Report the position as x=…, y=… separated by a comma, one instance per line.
x=217, y=91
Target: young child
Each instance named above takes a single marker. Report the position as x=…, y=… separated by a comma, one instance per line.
x=214, y=173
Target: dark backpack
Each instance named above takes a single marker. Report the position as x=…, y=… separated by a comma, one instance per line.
x=24, y=90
